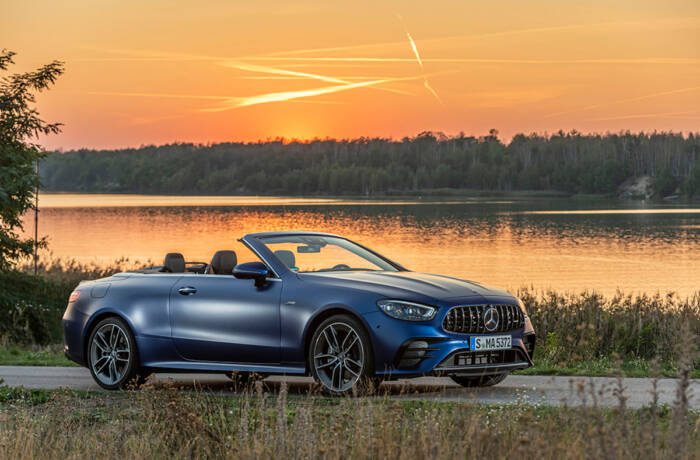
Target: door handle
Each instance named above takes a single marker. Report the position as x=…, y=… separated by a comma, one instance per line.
x=187, y=290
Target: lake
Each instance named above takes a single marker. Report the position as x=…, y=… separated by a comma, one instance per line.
x=562, y=244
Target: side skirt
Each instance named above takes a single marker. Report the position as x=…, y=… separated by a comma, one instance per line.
x=204, y=366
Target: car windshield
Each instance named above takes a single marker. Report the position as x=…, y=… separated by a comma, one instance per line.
x=311, y=253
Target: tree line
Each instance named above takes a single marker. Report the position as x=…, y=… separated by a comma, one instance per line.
x=568, y=162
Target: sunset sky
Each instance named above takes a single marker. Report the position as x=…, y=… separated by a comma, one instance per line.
x=209, y=71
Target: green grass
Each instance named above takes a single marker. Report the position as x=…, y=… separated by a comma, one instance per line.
x=34, y=355
x=605, y=367
x=11, y=396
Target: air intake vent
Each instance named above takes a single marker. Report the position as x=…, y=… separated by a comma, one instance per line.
x=473, y=319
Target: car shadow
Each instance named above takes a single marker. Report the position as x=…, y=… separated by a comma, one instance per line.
x=304, y=386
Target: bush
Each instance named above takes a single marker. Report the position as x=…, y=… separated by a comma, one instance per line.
x=31, y=308
x=665, y=183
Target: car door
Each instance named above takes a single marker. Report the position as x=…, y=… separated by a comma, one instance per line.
x=224, y=319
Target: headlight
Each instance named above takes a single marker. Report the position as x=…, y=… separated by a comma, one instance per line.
x=408, y=311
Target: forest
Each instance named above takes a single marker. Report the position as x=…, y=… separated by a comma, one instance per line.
x=572, y=163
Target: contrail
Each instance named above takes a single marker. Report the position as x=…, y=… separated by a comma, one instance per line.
x=293, y=73
x=622, y=101
x=158, y=95
x=414, y=47
x=151, y=55
x=432, y=91
x=689, y=115
x=234, y=103
x=237, y=63
x=524, y=31
x=651, y=60
x=347, y=78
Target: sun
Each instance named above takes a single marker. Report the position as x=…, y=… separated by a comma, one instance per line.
x=298, y=130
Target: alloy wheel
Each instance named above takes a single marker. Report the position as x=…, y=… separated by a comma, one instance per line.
x=110, y=354
x=338, y=357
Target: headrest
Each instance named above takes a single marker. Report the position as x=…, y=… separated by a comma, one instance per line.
x=287, y=257
x=223, y=262
x=174, y=263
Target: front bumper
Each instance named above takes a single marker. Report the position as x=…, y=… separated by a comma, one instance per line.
x=479, y=363
x=406, y=349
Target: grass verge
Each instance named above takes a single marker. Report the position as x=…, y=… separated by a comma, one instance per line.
x=606, y=367
x=34, y=355
x=162, y=421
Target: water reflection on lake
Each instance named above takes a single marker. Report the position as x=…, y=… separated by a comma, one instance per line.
x=557, y=243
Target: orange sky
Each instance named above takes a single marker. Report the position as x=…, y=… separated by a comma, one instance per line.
x=209, y=71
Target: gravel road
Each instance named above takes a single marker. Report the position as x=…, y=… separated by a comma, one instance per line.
x=572, y=391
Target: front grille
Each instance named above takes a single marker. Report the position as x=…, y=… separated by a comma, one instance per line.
x=470, y=319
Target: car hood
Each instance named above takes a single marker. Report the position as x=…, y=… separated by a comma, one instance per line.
x=408, y=285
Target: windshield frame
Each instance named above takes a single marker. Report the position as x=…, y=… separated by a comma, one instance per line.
x=264, y=240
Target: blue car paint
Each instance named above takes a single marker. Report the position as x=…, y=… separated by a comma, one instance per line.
x=230, y=324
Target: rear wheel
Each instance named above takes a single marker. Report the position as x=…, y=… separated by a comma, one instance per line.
x=340, y=356
x=112, y=356
x=482, y=381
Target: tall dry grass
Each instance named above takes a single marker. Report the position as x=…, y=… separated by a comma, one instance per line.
x=165, y=422
x=70, y=272
x=573, y=328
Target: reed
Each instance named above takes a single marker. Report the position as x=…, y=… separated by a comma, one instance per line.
x=573, y=328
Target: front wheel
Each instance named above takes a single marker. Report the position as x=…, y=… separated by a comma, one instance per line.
x=340, y=356
x=483, y=381
x=112, y=357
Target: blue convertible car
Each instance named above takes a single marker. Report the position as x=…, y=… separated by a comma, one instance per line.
x=312, y=303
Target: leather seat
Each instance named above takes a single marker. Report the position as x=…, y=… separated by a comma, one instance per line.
x=222, y=263
x=287, y=258
x=174, y=263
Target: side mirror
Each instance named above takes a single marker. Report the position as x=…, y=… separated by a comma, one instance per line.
x=251, y=271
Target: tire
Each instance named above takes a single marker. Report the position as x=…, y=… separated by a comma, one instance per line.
x=112, y=356
x=478, y=382
x=340, y=357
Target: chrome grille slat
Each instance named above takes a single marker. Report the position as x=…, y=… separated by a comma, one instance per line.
x=468, y=319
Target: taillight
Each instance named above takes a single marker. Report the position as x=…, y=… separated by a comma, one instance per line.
x=75, y=295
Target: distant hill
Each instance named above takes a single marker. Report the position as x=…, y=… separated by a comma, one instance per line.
x=564, y=162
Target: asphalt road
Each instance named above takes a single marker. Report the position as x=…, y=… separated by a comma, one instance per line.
x=572, y=391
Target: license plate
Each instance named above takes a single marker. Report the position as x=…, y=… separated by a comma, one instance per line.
x=491, y=342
